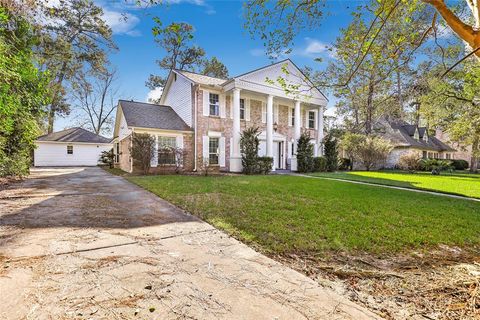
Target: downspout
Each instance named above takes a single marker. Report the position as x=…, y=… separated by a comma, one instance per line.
x=195, y=129
x=131, y=146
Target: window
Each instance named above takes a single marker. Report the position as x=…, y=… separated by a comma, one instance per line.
x=311, y=119
x=69, y=149
x=166, y=150
x=214, y=106
x=213, y=150
x=117, y=152
x=448, y=156
x=242, y=109
x=424, y=155
x=293, y=117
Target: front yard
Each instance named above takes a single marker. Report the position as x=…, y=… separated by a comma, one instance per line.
x=403, y=254
x=464, y=184
x=287, y=214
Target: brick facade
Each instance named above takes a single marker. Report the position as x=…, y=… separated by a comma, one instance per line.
x=225, y=125
x=124, y=158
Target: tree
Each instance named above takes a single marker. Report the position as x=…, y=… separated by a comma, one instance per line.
x=97, y=100
x=304, y=153
x=249, y=149
x=373, y=151
x=453, y=104
x=214, y=68
x=331, y=152
x=75, y=37
x=23, y=93
x=176, y=40
x=143, y=150
x=349, y=143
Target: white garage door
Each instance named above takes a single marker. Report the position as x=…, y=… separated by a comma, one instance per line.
x=64, y=154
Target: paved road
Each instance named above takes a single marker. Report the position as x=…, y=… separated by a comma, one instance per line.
x=81, y=243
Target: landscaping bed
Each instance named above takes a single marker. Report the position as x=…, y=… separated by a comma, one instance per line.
x=383, y=247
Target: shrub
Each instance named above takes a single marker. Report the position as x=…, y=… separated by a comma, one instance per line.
x=349, y=143
x=460, y=164
x=304, y=153
x=143, y=150
x=331, y=152
x=319, y=164
x=264, y=165
x=436, y=165
x=410, y=162
x=249, y=149
x=373, y=151
x=107, y=157
x=345, y=164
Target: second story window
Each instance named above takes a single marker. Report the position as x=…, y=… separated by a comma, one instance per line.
x=214, y=105
x=292, y=119
x=311, y=119
x=242, y=109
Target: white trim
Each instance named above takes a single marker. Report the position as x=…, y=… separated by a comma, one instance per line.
x=74, y=142
x=214, y=134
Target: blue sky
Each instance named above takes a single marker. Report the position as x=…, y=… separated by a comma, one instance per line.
x=219, y=29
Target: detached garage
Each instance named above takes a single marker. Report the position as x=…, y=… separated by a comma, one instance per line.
x=71, y=147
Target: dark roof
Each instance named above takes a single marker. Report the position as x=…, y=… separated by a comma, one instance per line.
x=74, y=135
x=401, y=134
x=147, y=115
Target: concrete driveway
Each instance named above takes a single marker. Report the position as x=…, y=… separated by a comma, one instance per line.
x=80, y=243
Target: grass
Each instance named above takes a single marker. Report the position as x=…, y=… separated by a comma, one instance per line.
x=286, y=214
x=464, y=184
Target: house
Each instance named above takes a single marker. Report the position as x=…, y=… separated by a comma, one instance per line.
x=462, y=151
x=70, y=147
x=205, y=117
x=407, y=138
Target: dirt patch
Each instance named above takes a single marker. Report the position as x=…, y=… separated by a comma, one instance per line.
x=5, y=182
x=442, y=284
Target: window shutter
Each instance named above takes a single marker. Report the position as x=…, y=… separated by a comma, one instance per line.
x=221, y=156
x=306, y=118
x=275, y=113
x=223, y=107
x=231, y=107
x=205, y=140
x=179, y=142
x=206, y=103
x=264, y=112
x=247, y=109
x=154, y=160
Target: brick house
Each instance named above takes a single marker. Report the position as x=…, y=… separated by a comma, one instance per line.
x=206, y=116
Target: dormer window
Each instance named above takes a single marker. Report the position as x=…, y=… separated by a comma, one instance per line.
x=416, y=136
x=425, y=137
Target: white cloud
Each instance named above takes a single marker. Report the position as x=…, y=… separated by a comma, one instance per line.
x=121, y=23
x=314, y=47
x=154, y=94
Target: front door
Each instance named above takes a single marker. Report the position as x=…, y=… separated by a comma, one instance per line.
x=278, y=155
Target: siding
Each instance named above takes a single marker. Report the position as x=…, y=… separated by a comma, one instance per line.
x=55, y=154
x=123, y=130
x=179, y=97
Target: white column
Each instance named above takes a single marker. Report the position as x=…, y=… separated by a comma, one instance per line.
x=270, y=127
x=236, y=159
x=320, y=131
x=296, y=133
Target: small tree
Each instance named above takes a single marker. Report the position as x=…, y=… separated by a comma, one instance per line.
x=410, y=162
x=304, y=153
x=204, y=165
x=349, y=144
x=331, y=152
x=373, y=151
x=143, y=150
x=107, y=157
x=249, y=149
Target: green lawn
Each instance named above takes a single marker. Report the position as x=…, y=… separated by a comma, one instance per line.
x=285, y=214
x=464, y=184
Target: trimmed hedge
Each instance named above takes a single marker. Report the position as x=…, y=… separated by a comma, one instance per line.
x=344, y=164
x=460, y=164
x=319, y=164
x=264, y=165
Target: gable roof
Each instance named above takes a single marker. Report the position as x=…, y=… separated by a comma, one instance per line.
x=202, y=79
x=74, y=135
x=401, y=134
x=148, y=115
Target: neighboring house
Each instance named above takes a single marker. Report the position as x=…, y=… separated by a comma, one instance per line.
x=206, y=116
x=462, y=151
x=70, y=147
x=407, y=138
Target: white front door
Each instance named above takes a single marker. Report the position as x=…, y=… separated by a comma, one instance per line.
x=278, y=153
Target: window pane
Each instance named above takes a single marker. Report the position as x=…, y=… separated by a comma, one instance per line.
x=213, y=150
x=242, y=109
x=214, y=107
x=311, y=119
x=293, y=117
x=69, y=149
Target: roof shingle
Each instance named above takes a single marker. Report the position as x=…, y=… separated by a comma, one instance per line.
x=74, y=135
x=147, y=115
